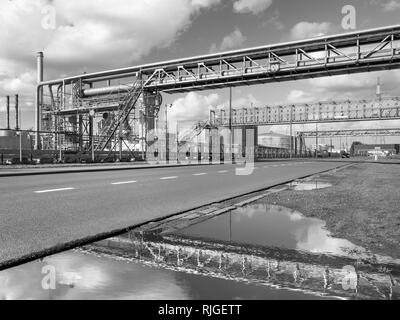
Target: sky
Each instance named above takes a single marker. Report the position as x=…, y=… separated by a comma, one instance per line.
x=94, y=35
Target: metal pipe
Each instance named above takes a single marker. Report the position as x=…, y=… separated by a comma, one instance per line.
x=107, y=90
x=365, y=35
x=8, y=112
x=16, y=112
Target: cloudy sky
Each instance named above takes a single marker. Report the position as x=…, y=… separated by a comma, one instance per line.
x=94, y=35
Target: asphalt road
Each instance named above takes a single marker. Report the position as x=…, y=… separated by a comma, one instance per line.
x=44, y=211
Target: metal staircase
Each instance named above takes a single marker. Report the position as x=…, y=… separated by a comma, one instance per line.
x=193, y=132
x=124, y=110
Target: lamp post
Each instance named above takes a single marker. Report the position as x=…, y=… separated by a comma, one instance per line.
x=232, y=135
x=166, y=132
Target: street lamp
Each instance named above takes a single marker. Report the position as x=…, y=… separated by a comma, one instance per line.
x=166, y=132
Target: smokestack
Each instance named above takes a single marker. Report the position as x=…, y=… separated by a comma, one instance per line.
x=16, y=113
x=40, y=67
x=379, y=90
x=8, y=112
x=39, y=99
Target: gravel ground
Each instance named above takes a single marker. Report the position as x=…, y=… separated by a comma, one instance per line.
x=363, y=205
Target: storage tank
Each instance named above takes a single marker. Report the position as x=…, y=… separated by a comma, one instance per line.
x=274, y=140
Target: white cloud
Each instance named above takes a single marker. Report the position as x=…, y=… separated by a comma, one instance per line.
x=305, y=30
x=89, y=35
x=390, y=6
x=231, y=41
x=251, y=6
x=243, y=101
x=299, y=96
x=192, y=107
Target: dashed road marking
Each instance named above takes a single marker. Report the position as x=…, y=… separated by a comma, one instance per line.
x=223, y=171
x=123, y=182
x=200, y=174
x=54, y=190
x=168, y=178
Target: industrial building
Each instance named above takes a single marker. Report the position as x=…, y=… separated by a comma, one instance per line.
x=376, y=149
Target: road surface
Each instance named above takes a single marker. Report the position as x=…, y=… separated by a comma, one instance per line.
x=44, y=211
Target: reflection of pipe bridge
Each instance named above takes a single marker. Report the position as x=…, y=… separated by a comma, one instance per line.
x=320, y=112
x=290, y=269
x=356, y=52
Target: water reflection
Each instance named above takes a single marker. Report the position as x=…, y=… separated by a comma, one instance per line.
x=257, y=252
x=89, y=276
x=273, y=226
x=308, y=185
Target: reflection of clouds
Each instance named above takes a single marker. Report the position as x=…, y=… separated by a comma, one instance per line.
x=308, y=234
x=318, y=240
x=21, y=283
x=296, y=216
x=82, y=276
x=72, y=269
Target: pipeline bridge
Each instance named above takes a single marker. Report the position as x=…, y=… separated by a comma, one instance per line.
x=319, y=112
x=352, y=133
x=99, y=111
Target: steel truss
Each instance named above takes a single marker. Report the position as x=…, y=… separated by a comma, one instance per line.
x=319, y=112
x=352, y=133
x=356, y=52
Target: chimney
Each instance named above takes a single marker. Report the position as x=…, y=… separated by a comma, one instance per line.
x=16, y=113
x=39, y=99
x=8, y=112
x=40, y=67
x=379, y=90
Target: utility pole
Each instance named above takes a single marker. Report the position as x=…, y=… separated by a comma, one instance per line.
x=291, y=132
x=20, y=137
x=316, y=140
x=177, y=142
x=232, y=135
x=166, y=132
x=91, y=121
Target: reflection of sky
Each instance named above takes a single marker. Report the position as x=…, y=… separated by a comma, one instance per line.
x=273, y=226
x=87, y=277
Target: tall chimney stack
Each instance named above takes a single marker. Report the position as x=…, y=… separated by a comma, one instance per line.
x=39, y=100
x=379, y=90
x=8, y=112
x=16, y=113
x=40, y=67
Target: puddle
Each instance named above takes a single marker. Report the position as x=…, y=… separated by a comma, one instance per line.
x=255, y=252
x=81, y=276
x=308, y=185
x=272, y=226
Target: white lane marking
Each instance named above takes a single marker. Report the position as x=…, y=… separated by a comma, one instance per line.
x=276, y=165
x=224, y=171
x=168, y=178
x=266, y=167
x=54, y=190
x=123, y=182
x=200, y=174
